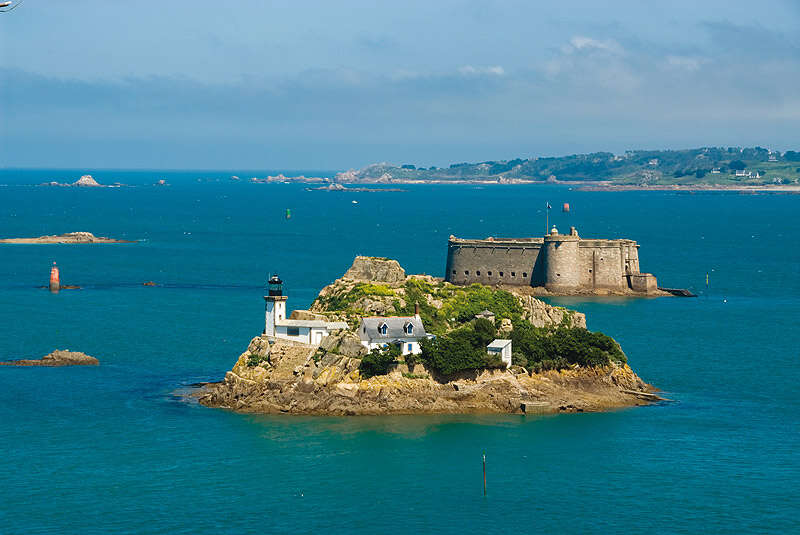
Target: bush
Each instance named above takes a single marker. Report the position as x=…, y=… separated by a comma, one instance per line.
x=518, y=359
x=254, y=360
x=379, y=361
x=451, y=353
x=564, y=346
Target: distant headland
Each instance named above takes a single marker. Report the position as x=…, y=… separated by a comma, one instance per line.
x=69, y=237
x=733, y=168
x=378, y=341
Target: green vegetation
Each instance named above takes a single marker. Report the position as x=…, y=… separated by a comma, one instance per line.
x=563, y=346
x=460, y=342
x=461, y=349
x=344, y=300
x=254, y=360
x=379, y=361
x=459, y=304
x=706, y=165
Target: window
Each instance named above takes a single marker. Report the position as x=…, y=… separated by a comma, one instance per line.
x=409, y=328
x=466, y=273
x=501, y=273
x=478, y=273
x=293, y=331
x=513, y=273
x=524, y=275
x=410, y=348
x=454, y=272
x=490, y=273
x=383, y=329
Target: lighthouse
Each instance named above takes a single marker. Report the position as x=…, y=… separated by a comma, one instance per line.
x=55, y=285
x=276, y=305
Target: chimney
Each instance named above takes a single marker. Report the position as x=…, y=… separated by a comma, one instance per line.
x=416, y=309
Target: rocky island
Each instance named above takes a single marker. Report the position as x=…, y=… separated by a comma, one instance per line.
x=69, y=237
x=58, y=357
x=397, y=344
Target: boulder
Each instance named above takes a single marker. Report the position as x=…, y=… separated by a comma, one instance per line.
x=372, y=269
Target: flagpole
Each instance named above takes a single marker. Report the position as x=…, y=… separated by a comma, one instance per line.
x=547, y=219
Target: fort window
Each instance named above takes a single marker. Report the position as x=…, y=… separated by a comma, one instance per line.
x=513, y=274
x=466, y=273
x=590, y=271
x=524, y=275
x=490, y=273
x=478, y=273
x=454, y=272
x=501, y=273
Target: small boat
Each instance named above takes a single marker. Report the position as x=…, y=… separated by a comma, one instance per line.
x=354, y=202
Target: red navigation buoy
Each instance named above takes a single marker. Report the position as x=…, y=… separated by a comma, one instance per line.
x=55, y=285
x=565, y=208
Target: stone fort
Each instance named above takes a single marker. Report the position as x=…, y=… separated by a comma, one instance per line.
x=559, y=263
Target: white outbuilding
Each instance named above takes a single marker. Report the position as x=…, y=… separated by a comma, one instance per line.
x=501, y=348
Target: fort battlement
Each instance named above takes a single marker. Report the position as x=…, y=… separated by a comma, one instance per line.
x=559, y=263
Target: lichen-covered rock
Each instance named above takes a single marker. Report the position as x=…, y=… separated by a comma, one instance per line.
x=540, y=314
x=370, y=269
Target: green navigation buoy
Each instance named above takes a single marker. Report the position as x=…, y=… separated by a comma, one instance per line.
x=288, y=214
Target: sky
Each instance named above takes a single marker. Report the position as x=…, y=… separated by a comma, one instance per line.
x=249, y=84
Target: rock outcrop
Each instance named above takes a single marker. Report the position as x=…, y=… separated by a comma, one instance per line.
x=57, y=358
x=69, y=237
x=87, y=181
x=370, y=269
x=540, y=314
x=299, y=379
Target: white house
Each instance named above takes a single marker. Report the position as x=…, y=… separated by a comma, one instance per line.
x=404, y=331
x=501, y=348
x=277, y=325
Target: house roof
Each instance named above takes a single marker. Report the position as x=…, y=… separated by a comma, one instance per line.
x=368, y=330
x=499, y=344
x=317, y=324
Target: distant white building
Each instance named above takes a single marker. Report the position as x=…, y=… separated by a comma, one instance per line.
x=403, y=331
x=277, y=325
x=501, y=348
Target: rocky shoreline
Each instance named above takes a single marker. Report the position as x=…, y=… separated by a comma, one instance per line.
x=294, y=383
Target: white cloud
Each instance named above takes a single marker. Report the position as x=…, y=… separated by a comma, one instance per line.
x=685, y=62
x=493, y=70
x=580, y=42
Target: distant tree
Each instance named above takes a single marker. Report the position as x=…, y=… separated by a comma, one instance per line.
x=408, y=166
x=433, y=168
x=792, y=156
x=737, y=165
x=700, y=173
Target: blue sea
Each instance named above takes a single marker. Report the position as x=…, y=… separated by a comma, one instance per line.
x=118, y=449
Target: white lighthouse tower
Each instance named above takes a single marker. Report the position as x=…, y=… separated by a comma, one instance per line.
x=276, y=305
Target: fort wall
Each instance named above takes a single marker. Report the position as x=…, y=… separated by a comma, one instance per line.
x=560, y=263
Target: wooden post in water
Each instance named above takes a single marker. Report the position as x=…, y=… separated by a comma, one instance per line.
x=484, y=473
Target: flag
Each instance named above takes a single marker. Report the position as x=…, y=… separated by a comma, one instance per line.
x=548, y=206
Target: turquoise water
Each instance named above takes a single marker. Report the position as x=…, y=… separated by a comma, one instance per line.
x=116, y=449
